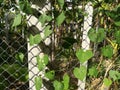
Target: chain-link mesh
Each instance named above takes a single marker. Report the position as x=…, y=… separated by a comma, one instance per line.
x=18, y=66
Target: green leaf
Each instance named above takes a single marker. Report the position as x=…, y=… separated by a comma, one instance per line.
x=43, y=18
x=107, y=51
x=80, y=73
x=31, y=38
x=93, y=71
x=58, y=85
x=83, y=56
x=17, y=20
x=107, y=82
x=96, y=36
x=46, y=59
x=37, y=39
x=115, y=75
x=61, y=3
x=25, y=7
x=66, y=80
x=40, y=63
x=117, y=36
x=21, y=56
x=50, y=75
x=38, y=83
x=117, y=23
x=60, y=19
x=47, y=31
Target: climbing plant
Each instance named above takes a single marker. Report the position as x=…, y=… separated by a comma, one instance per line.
x=64, y=19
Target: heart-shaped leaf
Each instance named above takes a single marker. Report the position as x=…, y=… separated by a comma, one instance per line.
x=84, y=55
x=80, y=73
x=96, y=36
x=107, y=51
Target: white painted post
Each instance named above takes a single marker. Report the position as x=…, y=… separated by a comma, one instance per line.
x=34, y=51
x=85, y=40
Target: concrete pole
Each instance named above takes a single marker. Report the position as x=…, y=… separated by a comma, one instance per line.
x=34, y=51
x=85, y=40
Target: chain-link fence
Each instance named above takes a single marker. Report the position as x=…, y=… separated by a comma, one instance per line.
x=18, y=64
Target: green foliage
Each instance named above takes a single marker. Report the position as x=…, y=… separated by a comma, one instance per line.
x=107, y=51
x=117, y=36
x=60, y=19
x=96, y=36
x=80, y=73
x=38, y=83
x=44, y=18
x=47, y=31
x=20, y=57
x=17, y=20
x=25, y=7
x=107, y=82
x=42, y=62
x=35, y=39
x=93, y=72
x=115, y=75
x=61, y=3
x=16, y=71
x=58, y=85
x=50, y=75
x=66, y=80
x=83, y=56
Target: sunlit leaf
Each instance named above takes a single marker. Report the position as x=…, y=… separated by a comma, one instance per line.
x=31, y=38
x=17, y=20
x=84, y=55
x=66, y=80
x=37, y=39
x=60, y=19
x=40, y=63
x=107, y=82
x=58, y=85
x=47, y=31
x=45, y=59
x=115, y=75
x=38, y=83
x=61, y=3
x=50, y=75
x=80, y=73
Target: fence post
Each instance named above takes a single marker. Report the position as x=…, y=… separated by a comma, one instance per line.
x=34, y=51
x=85, y=40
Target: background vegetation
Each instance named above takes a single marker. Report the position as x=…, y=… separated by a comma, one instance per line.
x=64, y=71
